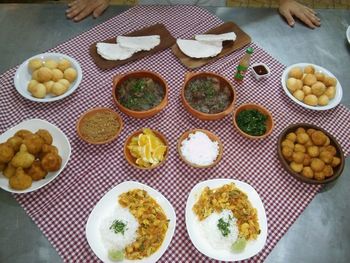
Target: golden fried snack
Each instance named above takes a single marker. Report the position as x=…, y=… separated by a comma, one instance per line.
x=2, y=166
x=34, y=143
x=313, y=151
x=307, y=160
x=23, y=158
x=288, y=143
x=23, y=133
x=302, y=137
x=287, y=151
x=51, y=162
x=298, y=157
x=307, y=172
x=20, y=180
x=331, y=149
x=6, y=152
x=319, y=176
x=336, y=161
x=36, y=171
x=317, y=165
x=15, y=142
x=326, y=156
x=328, y=171
x=296, y=167
x=300, y=130
x=310, y=131
x=45, y=135
x=9, y=171
x=319, y=138
x=299, y=148
x=291, y=136
x=47, y=149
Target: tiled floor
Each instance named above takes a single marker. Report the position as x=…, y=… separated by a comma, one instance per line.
x=342, y=4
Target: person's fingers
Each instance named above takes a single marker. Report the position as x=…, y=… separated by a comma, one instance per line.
x=73, y=3
x=306, y=20
x=288, y=16
x=100, y=9
x=73, y=11
x=84, y=13
x=314, y=19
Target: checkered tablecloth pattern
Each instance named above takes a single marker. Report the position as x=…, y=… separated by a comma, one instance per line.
x=61, y=208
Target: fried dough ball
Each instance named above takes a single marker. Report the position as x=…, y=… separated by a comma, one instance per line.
x=38, y=91
x=336, y=161
x=309, y=80
x=328, y=171
x=308, y=143
x=317, y=165
x=330, y=92
x=287, y=151
x=300, y=130
x=307, y=172
x=2, y=166
x=57, y=74
x=6, y=152
x=51, y=64
x=296, y=167
x=299, y=95
x=307, y=160
x=70, y=74
x=318, y=88
x=23, y=158
x=51, y=162
x=330, y=81
x=35, y=63
x=292, y=84
x=288, y=143
x=58, y=89
x=45, y=135
x=296, y=72
x=44, y=74
x=318, y=138
x=48, y=149
x=309, y=69
x=63, y=64
x=36, y=172
x=32, y=84
x=21, y=180
x=48, y=85
x=320, y=76
x=306, y=90
x=331, y=149
x=328, y=141
x=313, y=151
x=34, y=143
x=311, y=100
x=9, y=171
x=319, y=176
x=291, y=136
x=15, y=142
x=302, y=138
x=23, y=133
x=323, y=100
x=299, y=148
x=310, y=131
x=298, y=157
x=64, y=82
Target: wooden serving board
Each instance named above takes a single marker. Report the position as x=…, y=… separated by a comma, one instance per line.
x=228, y=46
x=166, y=40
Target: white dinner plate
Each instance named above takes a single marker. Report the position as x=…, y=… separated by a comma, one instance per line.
x=197, y=237
x=332, y=103
x=108, y=203
x=59, y=140
x=23, y=76
x=348, y=34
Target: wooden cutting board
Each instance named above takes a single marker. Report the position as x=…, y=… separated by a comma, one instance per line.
x=166, y=40
x=228, y=46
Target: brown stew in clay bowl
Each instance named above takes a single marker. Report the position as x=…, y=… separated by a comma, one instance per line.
x=208, y=96
x=140, y=94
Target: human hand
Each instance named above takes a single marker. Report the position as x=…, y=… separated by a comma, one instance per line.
x=79, y=9
x=290, y=8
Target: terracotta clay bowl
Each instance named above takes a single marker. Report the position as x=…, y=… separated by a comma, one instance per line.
x=132, y=160
x=119, y=79
x=337, y=170
x=205, y=116
x=252, y=106
x=211, y=136
x=91, y=113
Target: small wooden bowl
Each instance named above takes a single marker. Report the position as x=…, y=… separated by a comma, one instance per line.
x=92, y=112
x=132, y=160
x=211, y=136
x=205, y=116
x=119, y=79
x=251, y=106
x=337, y=170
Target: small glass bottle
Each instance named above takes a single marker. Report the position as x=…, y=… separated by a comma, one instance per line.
x=244, y=64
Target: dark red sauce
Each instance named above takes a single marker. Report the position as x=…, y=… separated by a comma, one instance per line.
x=260, y=70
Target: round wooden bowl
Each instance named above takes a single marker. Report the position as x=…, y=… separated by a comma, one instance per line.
x=132, y=160
x=205, y=116
x=211, y=136
x=119, y=79
x=292, y=128
x=92, y=112
x=252, y=106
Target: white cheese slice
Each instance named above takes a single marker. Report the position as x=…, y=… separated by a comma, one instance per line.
x=230, y=36
x=199, y=49
x=111, y=51
x=139, y=43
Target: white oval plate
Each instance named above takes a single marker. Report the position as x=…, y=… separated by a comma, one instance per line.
x=202, y=244
x=348, y=34
x=332, y=103
x=59, y=140
x=23, y=76
x=107, y=204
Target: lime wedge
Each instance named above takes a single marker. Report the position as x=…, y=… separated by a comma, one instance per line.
x=239, y=245
x=115, y=255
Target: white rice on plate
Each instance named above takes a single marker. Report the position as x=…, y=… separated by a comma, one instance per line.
x=118, y=241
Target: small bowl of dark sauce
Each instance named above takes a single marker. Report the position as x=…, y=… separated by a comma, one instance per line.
x=260, y=70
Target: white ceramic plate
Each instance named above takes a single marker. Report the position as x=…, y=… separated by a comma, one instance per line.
x=23, y=76
x=332, y=103
x=202, y=244
x=106, y=205
x=59, y=140
x=348, y=34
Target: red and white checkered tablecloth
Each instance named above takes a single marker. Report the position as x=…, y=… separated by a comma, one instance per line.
x=61, y=208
